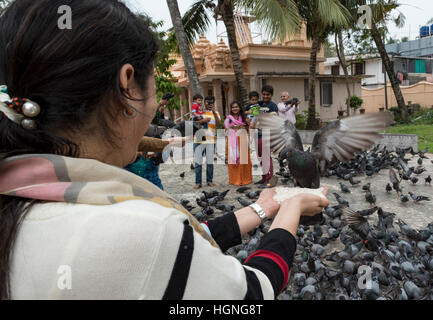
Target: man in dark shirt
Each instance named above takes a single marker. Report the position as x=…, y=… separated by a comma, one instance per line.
x=266, y=105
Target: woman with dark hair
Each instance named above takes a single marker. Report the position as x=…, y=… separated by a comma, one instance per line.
x=73, y=224
x=237, y=147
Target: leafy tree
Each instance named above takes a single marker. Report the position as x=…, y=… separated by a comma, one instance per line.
x=164, y=79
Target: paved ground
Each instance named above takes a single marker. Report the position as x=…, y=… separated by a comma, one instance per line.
x=416, y=215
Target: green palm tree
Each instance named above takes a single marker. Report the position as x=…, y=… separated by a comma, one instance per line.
x=198, y=18
x=322, y=18
x=382, y=13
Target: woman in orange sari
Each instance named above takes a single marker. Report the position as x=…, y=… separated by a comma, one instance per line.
x=237, y=147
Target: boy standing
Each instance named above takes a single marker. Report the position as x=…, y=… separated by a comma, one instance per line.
x=266, y=105
x=206, y=145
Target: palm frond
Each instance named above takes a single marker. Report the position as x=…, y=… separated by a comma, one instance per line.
x=196, y=20
x=333, y=13
x=278, y=18
x=400, y=20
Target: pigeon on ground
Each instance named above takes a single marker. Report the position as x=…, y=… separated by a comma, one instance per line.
x=419, y=170
x=366, y=187
x=344, y=188
x=242, y=189
x=244, y=202
x=353, y=182
x=388, y=188
x=341, y=201
x=225, y=207
x=417, y=198
x=395, y=182
x=404, y=198
x=422, y=153
x=370, y=198
x=367, y=212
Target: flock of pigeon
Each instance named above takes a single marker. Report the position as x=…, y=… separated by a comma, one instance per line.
x=332, y=257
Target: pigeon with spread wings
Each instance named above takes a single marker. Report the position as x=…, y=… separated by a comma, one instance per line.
x=337, y=141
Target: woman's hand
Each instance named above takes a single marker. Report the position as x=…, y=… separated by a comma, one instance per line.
x=291, y=210
x=309, y=204
x=267, y=202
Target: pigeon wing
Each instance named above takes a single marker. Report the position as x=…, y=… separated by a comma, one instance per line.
x=354, y=219
x=341, y=139
x=403, y=165
x=393, y=177
x=283, y=132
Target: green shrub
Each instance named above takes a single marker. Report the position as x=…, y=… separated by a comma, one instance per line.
x=356, y=102
x=422, y=116
x=301, y=121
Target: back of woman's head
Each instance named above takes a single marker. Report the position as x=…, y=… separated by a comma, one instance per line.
x=73, y=74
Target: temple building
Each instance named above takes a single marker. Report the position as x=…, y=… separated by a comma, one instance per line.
x=284, y=65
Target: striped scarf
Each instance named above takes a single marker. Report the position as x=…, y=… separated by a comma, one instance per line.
x=75, y=180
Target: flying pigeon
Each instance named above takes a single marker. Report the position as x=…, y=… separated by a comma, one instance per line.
x=337, y=141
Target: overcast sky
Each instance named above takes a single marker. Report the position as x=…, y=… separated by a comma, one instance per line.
x=417, y=13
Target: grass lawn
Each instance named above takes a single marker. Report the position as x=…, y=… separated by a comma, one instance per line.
x=424, y=132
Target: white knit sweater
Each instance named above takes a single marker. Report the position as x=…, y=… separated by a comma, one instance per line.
x=122, y=251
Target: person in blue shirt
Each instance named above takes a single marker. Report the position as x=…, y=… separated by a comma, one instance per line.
x=266, y=105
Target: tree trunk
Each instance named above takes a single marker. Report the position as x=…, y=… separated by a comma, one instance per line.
x=185, y=51
x=228, y=18
x=390, y=71
x=342, y=58
x=311, y=120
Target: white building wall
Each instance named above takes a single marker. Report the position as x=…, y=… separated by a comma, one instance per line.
x=373, y=67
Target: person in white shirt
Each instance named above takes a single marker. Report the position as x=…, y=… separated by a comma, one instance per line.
x=287, y=108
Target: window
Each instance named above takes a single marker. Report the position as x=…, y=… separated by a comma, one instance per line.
x=264, y=82
x=335, y=70
x=358, y=68
x=326, y=94
x=306, y=90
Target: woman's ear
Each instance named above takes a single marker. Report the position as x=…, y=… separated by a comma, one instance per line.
x=126, y=78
